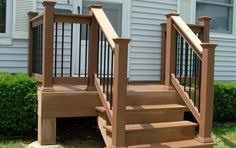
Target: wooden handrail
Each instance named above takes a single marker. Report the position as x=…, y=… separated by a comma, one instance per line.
x=188, y=34
x=72, y=18
x=105, y=25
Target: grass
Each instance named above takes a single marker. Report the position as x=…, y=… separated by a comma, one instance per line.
x=225, y=136
x=13, y=144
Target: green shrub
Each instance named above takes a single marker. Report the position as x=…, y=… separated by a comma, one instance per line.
x=18, y=103
x=224, y=101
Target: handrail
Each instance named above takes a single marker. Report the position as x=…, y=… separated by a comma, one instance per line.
x=188, y=34
x=190, y=69
x=105, y=25
x=72, y=18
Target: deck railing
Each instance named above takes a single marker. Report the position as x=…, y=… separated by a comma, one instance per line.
x=189, y=67
x=101, y=58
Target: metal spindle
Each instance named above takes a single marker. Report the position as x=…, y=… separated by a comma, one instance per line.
x=108, y=65
x=71, y=49
x=55, y=63
x=101, y=54
x=86, y=50
x=104, y=67
x=181, y=58
x=112, y=62
x=62, y=49
x=190, y=71
x=186, y=65
x=80, y=48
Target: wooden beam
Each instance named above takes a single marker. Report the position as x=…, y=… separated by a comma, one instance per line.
x=170, y=49
x=38, y=20
x=93, y=51
x=163, y=53
x=103, y=98
x=186, y=98
x=48, y=24
x=205, y=22
x=207, y=93
x=70, y=80
x=120, y=92
x=105, y=25
x=72, y=18
x=30, y=42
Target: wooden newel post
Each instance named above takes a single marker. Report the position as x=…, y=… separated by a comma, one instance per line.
x=163, y=52
x=30, y=42
x=48, y=22
x=170, y=49
x=93, y=49
x=120, y=92
x=205, y=22
x=207, y=93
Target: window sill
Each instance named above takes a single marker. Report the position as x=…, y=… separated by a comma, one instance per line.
x=5, y=41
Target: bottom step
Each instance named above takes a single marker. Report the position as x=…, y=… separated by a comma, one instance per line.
x=177, y=144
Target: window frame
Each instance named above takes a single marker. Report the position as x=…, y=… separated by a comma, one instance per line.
x=232, y=33
x=8, y=20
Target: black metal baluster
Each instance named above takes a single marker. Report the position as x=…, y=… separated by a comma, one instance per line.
x=186, y=65
x=112, y=69
x=71, y=49
x=98, y=51
x=104, y=66
x=80, y=48
x=86, y=50
x=101, y=53
x=181, y=58
x=108, y=65
x=41, y=48
x=200, y=77
x=176, y=55
x=195, y=79
x=190, y=71
x=62, y=49
x=55, y=64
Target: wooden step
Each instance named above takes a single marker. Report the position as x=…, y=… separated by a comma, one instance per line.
x=176, y=144
x=158, y=132
x=145, y=97
x=152, y=113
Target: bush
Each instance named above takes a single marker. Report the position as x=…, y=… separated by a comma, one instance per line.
x=224, y=102
x=18, y=103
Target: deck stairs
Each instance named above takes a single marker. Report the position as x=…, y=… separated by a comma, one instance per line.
x=154, y=119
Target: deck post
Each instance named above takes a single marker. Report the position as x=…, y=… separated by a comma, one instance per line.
x=93, y=50
x=163, y=52
x=30, y=42
x=170, y=48
x=205, y=22
x=120, y=92
x=48, y=23
x=207, y=93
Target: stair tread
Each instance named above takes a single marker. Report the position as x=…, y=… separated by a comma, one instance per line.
x=174, y=144
x=151, y=126
x=146, y=107
x=152, y=107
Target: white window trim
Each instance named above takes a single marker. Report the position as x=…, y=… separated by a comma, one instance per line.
x=5, y=38
x=214, y=35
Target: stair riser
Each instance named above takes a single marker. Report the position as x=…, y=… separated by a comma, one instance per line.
x=160, y=135
x=102, y=121
x=150, y=98
x=152, y=116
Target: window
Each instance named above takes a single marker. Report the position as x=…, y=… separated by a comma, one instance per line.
x=221, y=12
x=3, y=16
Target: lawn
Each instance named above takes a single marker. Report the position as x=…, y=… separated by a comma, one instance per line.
x=224, y=136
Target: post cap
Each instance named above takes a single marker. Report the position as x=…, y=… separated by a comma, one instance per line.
x=208, y=46
x=94, y=6
x=121, y=40
x=171, y=14
x=49, y=2
x=204, y=18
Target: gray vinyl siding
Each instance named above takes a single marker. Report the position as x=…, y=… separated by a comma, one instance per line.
x=145, y=31
x=14, y=58
x=225, y=59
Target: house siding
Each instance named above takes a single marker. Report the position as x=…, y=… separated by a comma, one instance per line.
x=145, y=31
x=225, y=59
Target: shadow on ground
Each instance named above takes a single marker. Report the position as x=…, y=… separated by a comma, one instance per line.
x=79, y=133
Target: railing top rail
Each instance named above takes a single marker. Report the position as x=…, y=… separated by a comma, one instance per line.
x=196, y=28
x=72, y=18
x=105, y=25
x=188, y=34
x=38, y=17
